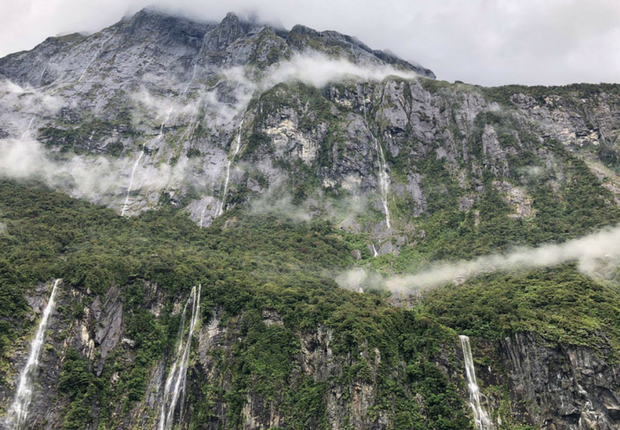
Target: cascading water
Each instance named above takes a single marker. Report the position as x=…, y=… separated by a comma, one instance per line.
x=133, y=172
x=94, y=57
x=175, y=382
x=135, y=166
x=228, y=164
x=481, y=418
x=43, y=74
x=384, y=177
x=160, y=136
x=18, y=412
x=384, y=180
x=231, y=159
x=29, y=125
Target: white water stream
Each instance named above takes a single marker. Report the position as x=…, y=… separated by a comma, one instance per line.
x=228, y=164
x=384, y=177
x=160, y=136
x=133, y=173
x=29, y=125
x=175, y=382
x=95, y=56
x=231, y=159
x=18, y=412
x=481, y=418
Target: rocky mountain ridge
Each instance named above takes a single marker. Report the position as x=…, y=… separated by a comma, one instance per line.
x=217, y=122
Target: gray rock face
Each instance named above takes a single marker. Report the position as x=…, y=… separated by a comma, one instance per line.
x=110, y=331
x=562, y=388
x=557, y=387
x=157, y=105
x=178, y=89
x=202, y=114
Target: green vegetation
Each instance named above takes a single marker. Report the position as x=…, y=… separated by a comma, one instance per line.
x=255, y=265
x=79, y=138
x=503, y=94
x=561, y=305
x=268, y=281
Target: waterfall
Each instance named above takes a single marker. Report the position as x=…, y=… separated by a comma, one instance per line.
x=135, y=166
x=228, y=164
x=189, y=83
x=133, y=172
x=231, y=159
x=384, y=180
x=159, y=137
x=29, y=125
x=43, y=73
x=175, y=382
x=95, y=56
x=481, y=418
x=18, y=412
x=384, y=177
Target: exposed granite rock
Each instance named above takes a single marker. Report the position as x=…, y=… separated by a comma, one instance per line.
x=110, y=327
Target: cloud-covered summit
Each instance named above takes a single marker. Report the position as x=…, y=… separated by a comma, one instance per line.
x=490, y=43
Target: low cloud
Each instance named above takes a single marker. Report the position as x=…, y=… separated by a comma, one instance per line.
x=80, y=176
x=318, y=69
x=593, y=254
x=281, y=205
x=28, y=159
x=166, y=110
x=360, y=280
x=28, y=99
x=278, y=201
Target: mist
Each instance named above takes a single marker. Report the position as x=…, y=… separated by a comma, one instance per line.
x=317, y=69
x=28, y=99
x=80, y=176
x=595, y=254
x=532, y=42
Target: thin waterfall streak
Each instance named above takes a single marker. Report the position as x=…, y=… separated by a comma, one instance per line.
x=228, y=165
x=174, y=388
x=172, y=374
x=90, y=139
x=43, y=74
x=95, y=56
x=133, y=172
x=481, y=418
x=189, y=83
x=384, y=178
x=29, y=126
x=34, y=116
x=18, y=412
x=385, y=183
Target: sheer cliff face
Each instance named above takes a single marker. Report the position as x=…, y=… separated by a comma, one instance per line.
x=158, y=110
x=524, y=380
x=162, y=106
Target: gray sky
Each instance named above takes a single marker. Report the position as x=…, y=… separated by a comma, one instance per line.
x=487, y=42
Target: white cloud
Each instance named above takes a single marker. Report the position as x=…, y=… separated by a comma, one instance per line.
x=81, y=176
x=28, y=99
x=593, y=253
x=167, y=110
x=318, y=70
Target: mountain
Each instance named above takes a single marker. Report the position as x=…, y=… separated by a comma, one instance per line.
x=200, y=190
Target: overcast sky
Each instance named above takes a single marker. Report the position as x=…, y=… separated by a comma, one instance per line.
x=487, y=42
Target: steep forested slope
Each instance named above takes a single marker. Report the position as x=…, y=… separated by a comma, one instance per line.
x=216, y=155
